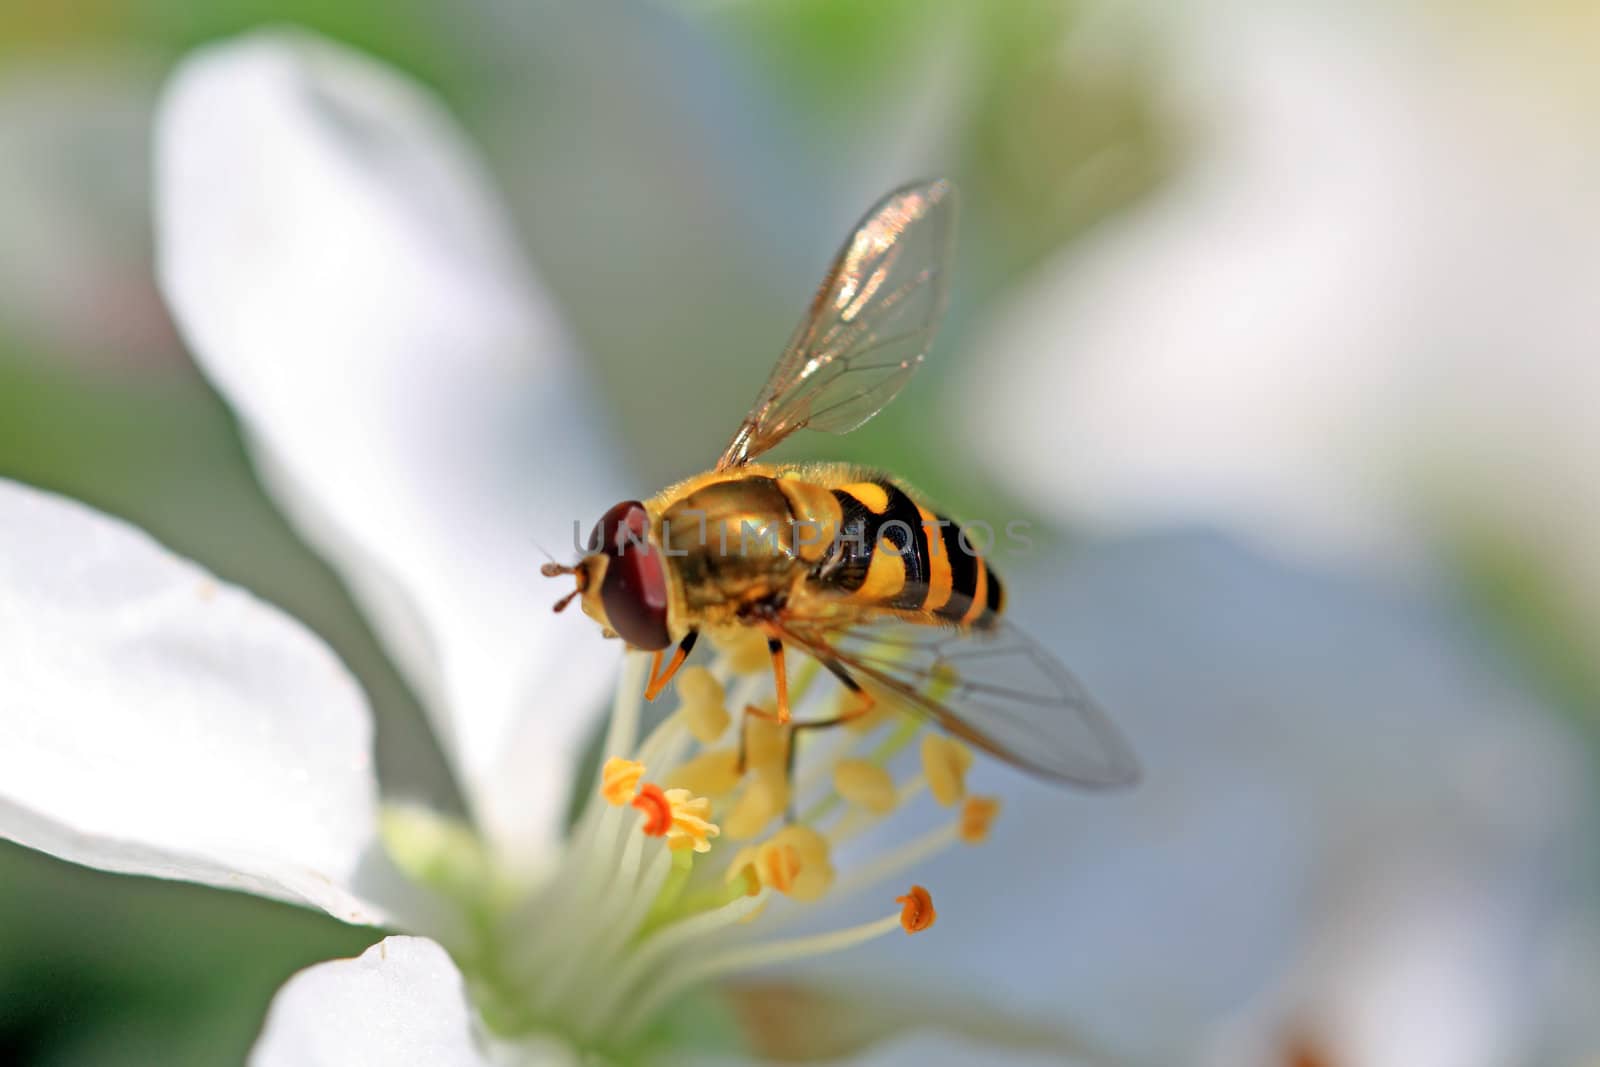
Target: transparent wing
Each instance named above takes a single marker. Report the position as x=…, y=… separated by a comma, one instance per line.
x=997, y=689
x=867, y=328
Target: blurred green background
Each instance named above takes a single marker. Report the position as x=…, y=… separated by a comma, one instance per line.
x=680, y=173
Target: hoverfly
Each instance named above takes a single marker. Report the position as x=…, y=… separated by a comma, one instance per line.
x=846, y=564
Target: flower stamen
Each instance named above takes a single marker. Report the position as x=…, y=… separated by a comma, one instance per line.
x=917, y=913
x=619, y=780
x=652, y=800
x=944, y=764
x=677, y=815
x=865, y=785
x=977, y=815
x=642, y=919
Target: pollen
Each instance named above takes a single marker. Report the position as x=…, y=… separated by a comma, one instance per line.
x=865, y=785
x=703, y=711
x=678, y=815
x=916, y=910
x=619, y=780
x=706, y=722
x=766, y=743
x=710, y=774
x=977, y=815
x=944, y=765
x=796, y=863
x=652, y=800
x=697, y=685
x=745, y=649
x=691, y=821
x=758, y=805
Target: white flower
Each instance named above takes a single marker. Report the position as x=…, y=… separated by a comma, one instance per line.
x=339, y=268
x=337, y=263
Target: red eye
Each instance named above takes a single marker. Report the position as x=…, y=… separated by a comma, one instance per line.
x=634, y=590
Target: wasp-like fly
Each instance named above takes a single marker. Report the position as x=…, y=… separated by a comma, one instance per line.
x=849, y=565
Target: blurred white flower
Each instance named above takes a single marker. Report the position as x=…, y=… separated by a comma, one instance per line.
x=1363, y=307
x=1353, y=829
x=1361, y=313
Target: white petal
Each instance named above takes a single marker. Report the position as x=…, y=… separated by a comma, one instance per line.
x=344, y=274
x=156, y=721
x=400, y=1002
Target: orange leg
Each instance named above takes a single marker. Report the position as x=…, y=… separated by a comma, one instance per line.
x=780, y=678
x=865, y=702
x=658, y=677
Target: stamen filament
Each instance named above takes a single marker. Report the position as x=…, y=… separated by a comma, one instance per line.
x=649, y=952
x=748, y=957
x=619, y=917
x=908, y=855
x=623, y=730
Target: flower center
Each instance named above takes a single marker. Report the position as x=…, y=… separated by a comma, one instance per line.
x=707, y=838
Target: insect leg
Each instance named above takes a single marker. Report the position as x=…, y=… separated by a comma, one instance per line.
x=660, y=678
x=865, y=701
x=780, y=678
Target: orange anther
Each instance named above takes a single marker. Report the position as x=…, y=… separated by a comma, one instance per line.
x=977, y=814
x=780, y=866
x=916, y=912
x=657, y=809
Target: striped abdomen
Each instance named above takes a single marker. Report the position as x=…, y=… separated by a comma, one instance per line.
x=894, y=552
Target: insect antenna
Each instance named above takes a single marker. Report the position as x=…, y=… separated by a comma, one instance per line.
x=543, y=551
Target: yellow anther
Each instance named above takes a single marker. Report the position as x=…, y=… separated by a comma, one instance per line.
x=779, y=866
x=710, y=774
x=766, y=745
x=977, y=815
x=916, y=910
x=758, y=805
x=678, y=815
x=746, y=649
x=944, y=765
x=795, y=862
x=866, y=785
x=743, y=872
x=697, y=685
x=691, y=821
x=813, y=847
x=707, y=722
x=619, y=780
x=702, y=710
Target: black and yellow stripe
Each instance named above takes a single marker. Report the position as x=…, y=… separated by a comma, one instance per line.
x=926, y=566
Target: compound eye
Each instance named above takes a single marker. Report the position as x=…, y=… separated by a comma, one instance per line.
x=634, y=590
x=621, y=522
